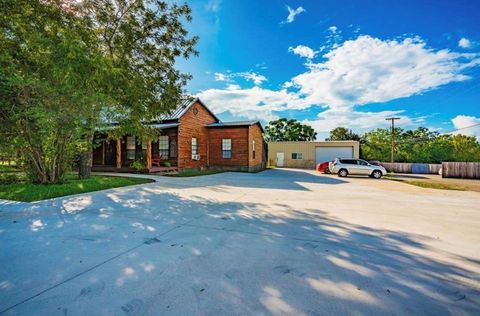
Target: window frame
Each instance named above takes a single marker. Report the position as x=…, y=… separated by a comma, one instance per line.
x=164, y=152
x=297, y=155
x=194, y=146
x=254, y=149
x=130, y=152
x=226, y=150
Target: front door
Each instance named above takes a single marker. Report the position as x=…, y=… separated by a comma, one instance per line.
x=280, y=157
x=110, y=153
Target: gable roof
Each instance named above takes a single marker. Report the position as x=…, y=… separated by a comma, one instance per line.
x=236, y=123
x=183, y=108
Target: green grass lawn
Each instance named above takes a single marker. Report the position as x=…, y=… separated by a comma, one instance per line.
x=431, y=184
x=28, y=192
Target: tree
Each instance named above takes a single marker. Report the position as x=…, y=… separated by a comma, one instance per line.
x=69, y=67
x=420, y=145
x=50, y=71
x=342, y=133
x=376, y=144
x=143, y=40
x=289, y=130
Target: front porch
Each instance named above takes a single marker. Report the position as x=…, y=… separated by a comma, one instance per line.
x=121, y=154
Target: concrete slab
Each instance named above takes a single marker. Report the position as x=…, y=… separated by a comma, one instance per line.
x=280, y=242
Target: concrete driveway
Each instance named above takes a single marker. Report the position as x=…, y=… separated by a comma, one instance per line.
x=277, y=242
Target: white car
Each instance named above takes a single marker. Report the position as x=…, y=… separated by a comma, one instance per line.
x=345, y=166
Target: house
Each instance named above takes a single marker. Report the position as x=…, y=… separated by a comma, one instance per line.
x=307, y=154
x=191, y=137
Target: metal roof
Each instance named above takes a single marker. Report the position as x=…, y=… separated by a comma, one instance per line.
x=236, y=123
x=163, y=126
x=182, y=108
x=179, y=110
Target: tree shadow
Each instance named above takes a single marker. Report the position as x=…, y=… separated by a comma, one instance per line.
x=149, y=252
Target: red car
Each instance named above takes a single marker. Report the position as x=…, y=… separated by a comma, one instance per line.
x=323, y=167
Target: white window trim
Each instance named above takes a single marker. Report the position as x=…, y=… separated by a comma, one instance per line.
x=225, y=148
x=167, y=143
x=301, y=156
x=194, y=141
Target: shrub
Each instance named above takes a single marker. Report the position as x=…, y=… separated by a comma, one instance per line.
x=138, y=165
x=9, y=178
x=167, y=164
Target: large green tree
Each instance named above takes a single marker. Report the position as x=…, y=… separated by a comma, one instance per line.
x=51, y=71
x=68, y=67
x=342, y=133
x=143, y=40
x=289, y=130
x=420, y=145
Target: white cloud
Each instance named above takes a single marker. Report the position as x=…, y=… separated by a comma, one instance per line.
x=333, y=29
x=233, y=87
x=251, y=76
x=464, y=43
x=221, y=77
x=253, y=103
x=257, y=79
x=303, y=51
x=361, y=71
x=293, y=13
x=468, y=125
x=369, y=70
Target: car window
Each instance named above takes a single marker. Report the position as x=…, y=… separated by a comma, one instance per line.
x=362, y=162
x=348, y=161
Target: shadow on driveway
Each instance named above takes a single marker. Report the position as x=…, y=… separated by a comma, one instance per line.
x=152, y=252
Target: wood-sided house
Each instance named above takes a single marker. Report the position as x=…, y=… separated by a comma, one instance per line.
x=191, y=137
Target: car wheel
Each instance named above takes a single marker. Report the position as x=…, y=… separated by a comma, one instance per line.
x=377, y=174
x=342, y=173
x=326, y=171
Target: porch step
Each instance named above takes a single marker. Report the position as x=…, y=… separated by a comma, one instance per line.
x=163, y=170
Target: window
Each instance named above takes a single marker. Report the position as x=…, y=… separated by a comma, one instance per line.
x=297, y=156
x=362, y=162
x=348, y=161
x=253, y=147
x=194, y=146
x=131, y=147
x=163, y=148
x=227, y=148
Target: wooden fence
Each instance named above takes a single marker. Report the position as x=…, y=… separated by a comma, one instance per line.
x=470, y=170
x=417, y=168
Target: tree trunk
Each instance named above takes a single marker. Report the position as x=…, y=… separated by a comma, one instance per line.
x=84, y=165
x=86, y=160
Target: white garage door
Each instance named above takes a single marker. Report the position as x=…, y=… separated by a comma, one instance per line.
x=323, y=154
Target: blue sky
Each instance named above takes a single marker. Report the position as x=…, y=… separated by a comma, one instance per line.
x=339, y=63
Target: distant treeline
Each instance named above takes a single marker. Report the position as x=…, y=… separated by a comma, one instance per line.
x=419, y=145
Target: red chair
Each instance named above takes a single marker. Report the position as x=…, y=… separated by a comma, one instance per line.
x=157, y=161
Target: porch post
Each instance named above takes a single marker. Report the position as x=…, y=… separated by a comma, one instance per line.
x=119, y=153
x=149, y=155
x=103, y=152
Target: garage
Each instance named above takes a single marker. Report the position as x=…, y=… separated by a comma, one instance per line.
x=306, y=154
x=323, y=154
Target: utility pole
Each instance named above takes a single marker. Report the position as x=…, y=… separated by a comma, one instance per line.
x=392, y=119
